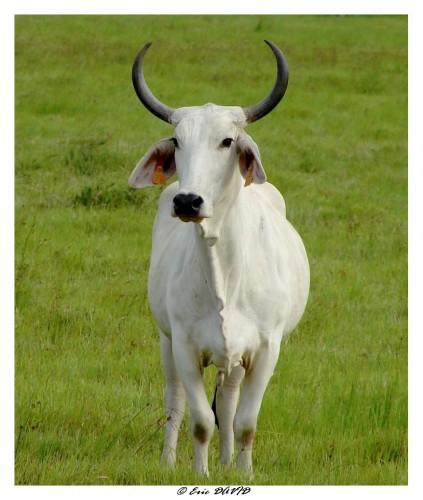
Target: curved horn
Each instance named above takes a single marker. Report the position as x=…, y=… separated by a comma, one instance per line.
x=262, y=108
x=143, y=92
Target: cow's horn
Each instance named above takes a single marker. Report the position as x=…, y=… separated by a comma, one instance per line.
x=143, y=92
x=252, y=113
x=262, y=108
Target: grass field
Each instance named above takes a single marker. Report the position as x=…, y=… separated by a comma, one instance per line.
x=89, y=383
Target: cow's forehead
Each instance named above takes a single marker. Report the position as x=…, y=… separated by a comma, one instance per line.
x=209, y=114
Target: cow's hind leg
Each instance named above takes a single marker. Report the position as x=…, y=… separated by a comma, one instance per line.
x=174, y=402
x=226, y=398
x=256, y=380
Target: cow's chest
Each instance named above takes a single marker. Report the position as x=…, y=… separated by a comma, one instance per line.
x=223, y=318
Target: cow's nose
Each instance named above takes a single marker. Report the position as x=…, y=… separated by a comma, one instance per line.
x=187, y=204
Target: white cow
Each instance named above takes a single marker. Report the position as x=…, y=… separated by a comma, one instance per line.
x=229, y=276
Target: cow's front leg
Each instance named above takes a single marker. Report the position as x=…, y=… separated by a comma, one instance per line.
x=174, y=402
x=226, y=401
x=190, y=371
x=256, y=379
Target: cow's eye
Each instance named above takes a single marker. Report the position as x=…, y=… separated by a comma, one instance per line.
x=226, y=143
x=175, y=142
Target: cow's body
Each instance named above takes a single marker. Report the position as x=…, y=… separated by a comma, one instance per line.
x=230, y=295
x=229, y=275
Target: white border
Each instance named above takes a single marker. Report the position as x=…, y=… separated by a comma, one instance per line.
x=7, y=249
x=415, y=262
x=212, y=7
x=7, y=12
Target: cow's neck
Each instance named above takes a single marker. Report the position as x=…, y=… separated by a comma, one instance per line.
x=218, y=244
x=210, y=228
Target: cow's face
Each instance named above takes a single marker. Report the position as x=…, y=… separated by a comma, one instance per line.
x=209, y=149
x=212, y=156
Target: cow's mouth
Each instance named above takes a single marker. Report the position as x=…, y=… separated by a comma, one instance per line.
x=190, y=218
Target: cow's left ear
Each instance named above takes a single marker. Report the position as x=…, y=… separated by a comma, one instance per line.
x=249, y=161
x=156, y=166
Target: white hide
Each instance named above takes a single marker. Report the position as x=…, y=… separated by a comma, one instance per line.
x=226, y=289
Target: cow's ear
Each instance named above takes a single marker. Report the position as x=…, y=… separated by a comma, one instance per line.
x=249, y=161
x=156, y=166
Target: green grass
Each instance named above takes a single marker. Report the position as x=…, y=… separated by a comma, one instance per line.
x=89, y=383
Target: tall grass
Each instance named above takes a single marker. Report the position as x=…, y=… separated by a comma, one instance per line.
x=89, y=384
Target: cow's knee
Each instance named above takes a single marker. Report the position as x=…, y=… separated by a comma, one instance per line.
x=244, y=431
x=202, y=432
x=203, y=427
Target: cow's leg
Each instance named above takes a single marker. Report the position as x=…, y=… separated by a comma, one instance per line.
x=256, y=380
x=174, y=402
x=226, y=401
x=190, y=371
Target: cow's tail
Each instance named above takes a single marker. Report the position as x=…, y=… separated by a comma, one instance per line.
x=220, y=378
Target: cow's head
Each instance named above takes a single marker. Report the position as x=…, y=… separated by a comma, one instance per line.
x=208, y=149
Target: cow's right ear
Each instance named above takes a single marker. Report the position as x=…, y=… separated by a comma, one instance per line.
x=156, y=166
